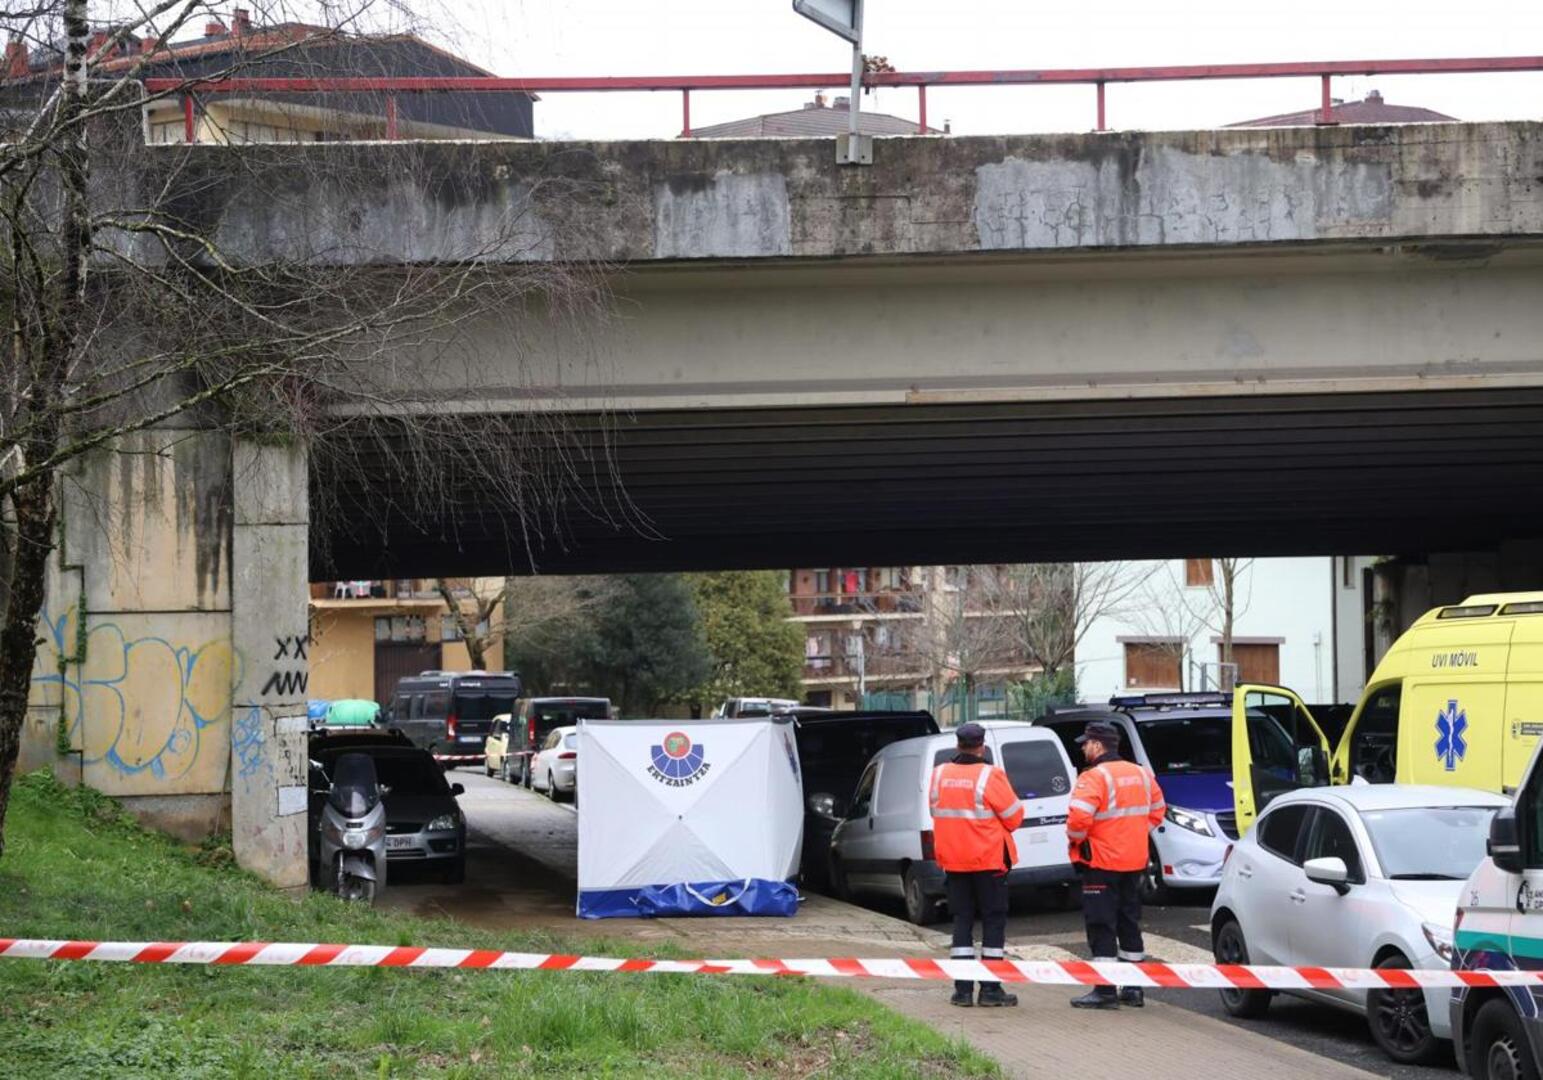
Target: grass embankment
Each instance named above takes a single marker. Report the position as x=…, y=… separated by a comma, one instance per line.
x=77, y=867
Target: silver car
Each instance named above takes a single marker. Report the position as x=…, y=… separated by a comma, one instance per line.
x=555, y=768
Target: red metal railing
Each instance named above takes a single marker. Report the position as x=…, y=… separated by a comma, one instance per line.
x=1099, y=78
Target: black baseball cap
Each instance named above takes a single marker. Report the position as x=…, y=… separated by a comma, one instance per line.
x=1102, y=730
x=971, y=734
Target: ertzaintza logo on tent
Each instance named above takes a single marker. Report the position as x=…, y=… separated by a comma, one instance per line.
x=677, y=761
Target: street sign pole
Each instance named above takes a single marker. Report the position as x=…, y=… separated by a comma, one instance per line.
x=844, y=18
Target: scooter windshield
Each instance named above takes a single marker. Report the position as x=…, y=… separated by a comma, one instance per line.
x=355, y=790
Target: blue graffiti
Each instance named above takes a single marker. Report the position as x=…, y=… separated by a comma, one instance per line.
x=179, y=692
x=247, y=741
x=1451, y=723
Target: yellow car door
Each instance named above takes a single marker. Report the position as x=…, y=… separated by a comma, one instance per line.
x=1276, y=747
x=1524, y=691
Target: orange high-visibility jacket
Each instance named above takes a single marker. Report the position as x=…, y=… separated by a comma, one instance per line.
x=974, y=813
x=1114, y=807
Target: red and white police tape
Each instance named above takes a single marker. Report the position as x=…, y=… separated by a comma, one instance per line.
x=459, y=759
x=1050, y=972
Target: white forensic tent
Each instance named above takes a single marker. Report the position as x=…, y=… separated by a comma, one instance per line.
x=688, y=817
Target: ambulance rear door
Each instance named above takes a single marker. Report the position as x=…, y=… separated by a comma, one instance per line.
x=1524, y=690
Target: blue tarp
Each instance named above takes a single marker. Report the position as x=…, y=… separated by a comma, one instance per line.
x=316, y=710
x=755, y=896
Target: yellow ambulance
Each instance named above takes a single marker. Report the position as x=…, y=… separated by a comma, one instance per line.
x=1457, y=700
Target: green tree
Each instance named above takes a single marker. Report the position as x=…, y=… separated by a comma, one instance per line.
x=756, y=651
x=644, y=647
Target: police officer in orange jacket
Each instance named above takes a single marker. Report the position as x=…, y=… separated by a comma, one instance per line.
x=974, y=813
x=1114, y=807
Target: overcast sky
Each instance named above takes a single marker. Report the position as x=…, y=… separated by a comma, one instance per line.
x=663, y=37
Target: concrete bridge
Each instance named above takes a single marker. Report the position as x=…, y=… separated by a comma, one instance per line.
x=978, y=349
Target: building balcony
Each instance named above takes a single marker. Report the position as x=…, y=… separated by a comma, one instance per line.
x=882, y=602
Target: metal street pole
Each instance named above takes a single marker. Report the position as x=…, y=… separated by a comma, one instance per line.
x=857, y=74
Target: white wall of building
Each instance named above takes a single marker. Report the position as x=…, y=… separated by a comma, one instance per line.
x=1291, y=602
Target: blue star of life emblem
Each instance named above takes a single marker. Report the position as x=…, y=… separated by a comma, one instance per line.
x=1451, y=722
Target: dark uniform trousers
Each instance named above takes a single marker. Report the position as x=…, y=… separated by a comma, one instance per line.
x=1111, y=908
x=981, y=895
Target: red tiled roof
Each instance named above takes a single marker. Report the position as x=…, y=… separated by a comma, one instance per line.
x=1371, y=111
x=812, y=120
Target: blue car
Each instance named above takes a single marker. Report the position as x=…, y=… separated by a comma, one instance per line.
x=1186, y=740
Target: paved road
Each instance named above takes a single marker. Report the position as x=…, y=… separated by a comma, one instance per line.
x=522, y=862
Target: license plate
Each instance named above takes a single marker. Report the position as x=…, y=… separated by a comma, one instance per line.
x=393, y=842
x=1039, y=838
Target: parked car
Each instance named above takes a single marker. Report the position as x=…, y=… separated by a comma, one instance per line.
x=536, y=718
x=833, y=750
x=555, y=768
x=424, y=824
x=752, y=706
x=1186, y=740
x=883, y=844
x=1359, y=876
x=450, y=713
x=1498, y=1033
x=496, y=758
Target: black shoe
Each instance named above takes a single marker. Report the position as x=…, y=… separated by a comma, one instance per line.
x=994, y=997
x=1133, y=996
x=1099, y=998
x=962, y=998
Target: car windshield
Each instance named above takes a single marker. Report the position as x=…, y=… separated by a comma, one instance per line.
x=410, y=774
x=1188, y=744
x=564, y=714
x=1429, y=843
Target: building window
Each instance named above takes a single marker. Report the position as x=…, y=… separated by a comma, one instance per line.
x=1347, y=572
x=1199, y=573
x=822, y=582
x=1152, y=665
x=450, y=630
x=400, y=628
x=1257, y=663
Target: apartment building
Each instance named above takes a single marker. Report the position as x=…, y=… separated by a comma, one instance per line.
x=365, y=635
x=911, y=636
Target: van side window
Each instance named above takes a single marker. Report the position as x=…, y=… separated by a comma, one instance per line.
x=1375, y=741
x=862, y=798
x=415, y=707
x=897, y=787
x=436, y=704
x=1279, y=830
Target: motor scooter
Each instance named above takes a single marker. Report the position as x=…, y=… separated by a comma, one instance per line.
x=352, y=850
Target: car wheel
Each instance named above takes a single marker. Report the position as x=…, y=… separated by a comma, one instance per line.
x=551, y=789
x=525, y=772
x=455, y=873
x=920, y=908
x=1230, y=948
x=1499, y=1046
x=503, y=770
x=1153, y=890
x=1399, y=1020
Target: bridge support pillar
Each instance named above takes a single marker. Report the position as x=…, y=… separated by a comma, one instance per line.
x=269, y=629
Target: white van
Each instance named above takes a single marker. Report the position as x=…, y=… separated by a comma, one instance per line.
x=884, y=843
x=1499, y=1033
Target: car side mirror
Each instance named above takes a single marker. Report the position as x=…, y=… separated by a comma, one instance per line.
x=1504, y=844
x=1312, y=767
x=1331, y=871
x=458, y=789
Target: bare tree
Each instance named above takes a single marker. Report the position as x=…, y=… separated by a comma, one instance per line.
x=472, y=610
x=1051, y=606
x=1217, y=608
x=126, y=315
x=964, y=633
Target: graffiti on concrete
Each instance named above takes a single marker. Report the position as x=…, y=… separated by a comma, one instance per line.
x=289, y=683
x=247, y=741
x=140, y=705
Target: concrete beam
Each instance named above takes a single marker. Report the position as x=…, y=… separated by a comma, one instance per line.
x=640, y=202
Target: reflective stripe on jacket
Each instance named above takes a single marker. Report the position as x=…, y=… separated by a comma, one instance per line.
x=1114, y=807
x=974, y=812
